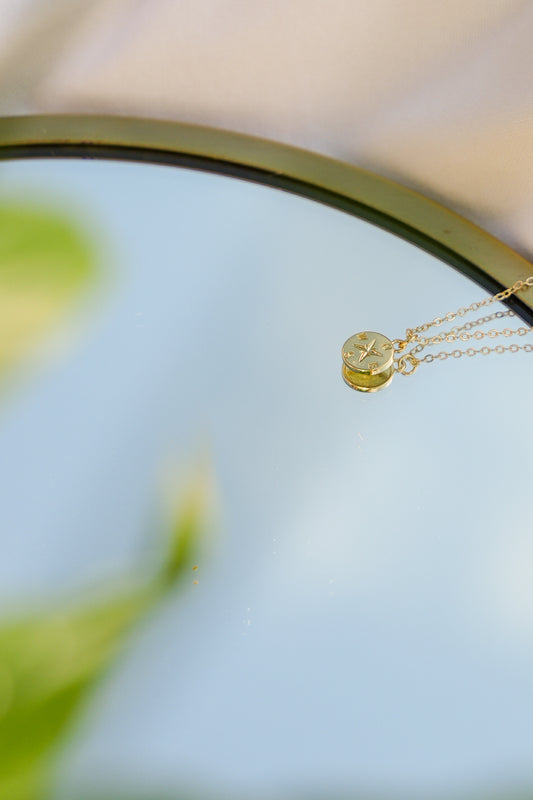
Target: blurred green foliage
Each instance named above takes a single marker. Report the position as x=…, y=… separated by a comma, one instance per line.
x=50, y=662
x=45, y=262
x=46, y=665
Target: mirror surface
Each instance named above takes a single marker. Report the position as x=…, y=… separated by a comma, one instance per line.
x=357, y=619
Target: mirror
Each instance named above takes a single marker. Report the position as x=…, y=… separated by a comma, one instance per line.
x=347, y=609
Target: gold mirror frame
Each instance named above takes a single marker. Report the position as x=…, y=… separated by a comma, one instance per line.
x=413, y=217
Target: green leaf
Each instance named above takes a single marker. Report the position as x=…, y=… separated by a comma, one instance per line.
x=45, y=262
x=49, y=663
x=46, y=666
x=188, y=521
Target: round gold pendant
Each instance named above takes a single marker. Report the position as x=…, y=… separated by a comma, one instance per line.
x=368, y=361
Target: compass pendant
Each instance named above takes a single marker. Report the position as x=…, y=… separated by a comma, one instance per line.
x=368, y=361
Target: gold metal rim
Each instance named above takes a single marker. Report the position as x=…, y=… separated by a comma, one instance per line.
x=408, y=214
x=367, y=382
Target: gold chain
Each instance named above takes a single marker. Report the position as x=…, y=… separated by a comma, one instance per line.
x=407, y=363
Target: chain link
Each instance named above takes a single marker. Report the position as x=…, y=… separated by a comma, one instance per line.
x=461, y=312
x=483, y=320
x=471, y=351
x=408, y=362
x=450, y=336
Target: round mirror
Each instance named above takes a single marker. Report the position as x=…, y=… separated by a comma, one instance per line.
x=224, y=572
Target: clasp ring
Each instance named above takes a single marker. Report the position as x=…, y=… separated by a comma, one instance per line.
x=399, y=345
x=403, y=362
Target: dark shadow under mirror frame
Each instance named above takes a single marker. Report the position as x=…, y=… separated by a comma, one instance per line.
x=401, y=211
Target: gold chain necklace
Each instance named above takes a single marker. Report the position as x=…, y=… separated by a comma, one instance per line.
x=370, y=359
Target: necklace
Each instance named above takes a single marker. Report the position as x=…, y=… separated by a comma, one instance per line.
x=370, y=359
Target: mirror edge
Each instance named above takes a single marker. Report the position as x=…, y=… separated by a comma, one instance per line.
x=389, y=205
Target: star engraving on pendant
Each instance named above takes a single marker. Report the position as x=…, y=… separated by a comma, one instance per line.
x=369, y=350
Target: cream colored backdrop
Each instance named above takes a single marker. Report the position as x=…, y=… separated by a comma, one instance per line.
x=437, y=94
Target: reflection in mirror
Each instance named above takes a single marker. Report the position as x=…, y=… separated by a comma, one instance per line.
x=224, y=574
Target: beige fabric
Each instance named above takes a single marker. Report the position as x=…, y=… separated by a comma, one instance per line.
x=436, y=94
